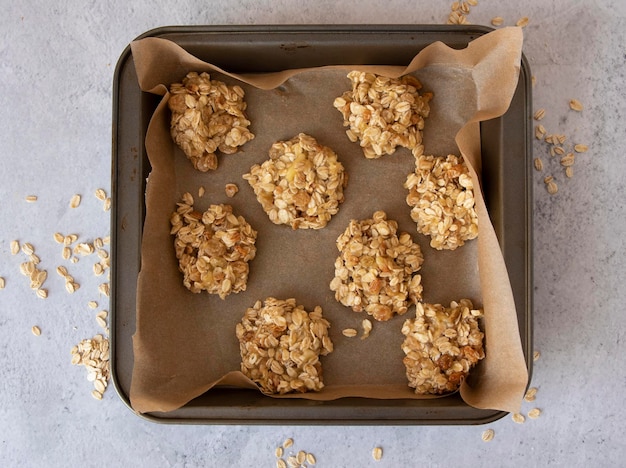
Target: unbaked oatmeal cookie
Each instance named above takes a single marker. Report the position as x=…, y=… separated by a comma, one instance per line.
x=281, y=344
x=301, y=184
x=376, y=270
x=213, y=248
x=207, y=116
x=441, y=345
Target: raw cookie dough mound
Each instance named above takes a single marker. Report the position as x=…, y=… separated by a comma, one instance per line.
x=207, y=116
x=384, y=113
x=442, y=344
x=376, y=269
x=213, y=248
x=280, y=345
x=441, y=197
x=301, y=185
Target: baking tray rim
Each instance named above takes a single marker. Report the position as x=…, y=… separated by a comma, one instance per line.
x=488, y=416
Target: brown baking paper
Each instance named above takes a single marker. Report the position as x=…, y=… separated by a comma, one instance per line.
x=185, y=343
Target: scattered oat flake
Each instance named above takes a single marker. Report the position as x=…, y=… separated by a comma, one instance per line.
x=2, y=283
x=580, y=148
x=576, y=105
x=534, y=413
x=569, y=172
x=96, y=394
x=568, y=160
x=42, y=293
x=488, y=435
x=538, y=164
x=497, y=21
x=106, y=206
x=75, y=201
x=310, y=459
x=15, y=247
x=518, y=418
x=377, y=453
x=540, y=114
x=280, y=463
x=301, y=457
x=28, y=248
x=522, y=22
x=530, y=394
x=367, y=328
x=100, y=194
x=101, y=322
x=36, y=330
x=92, y=304
x=349, y=332
x=279, y=452
x=31, y=198
x=540, y=132
x=231, y=190
x=99, y=385
x=104, y=289
x=552, y=187
x=288, y=443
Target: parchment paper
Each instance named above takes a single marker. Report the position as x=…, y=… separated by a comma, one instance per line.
x=185, y=343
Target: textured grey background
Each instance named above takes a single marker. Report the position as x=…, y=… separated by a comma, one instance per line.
x=56, y=67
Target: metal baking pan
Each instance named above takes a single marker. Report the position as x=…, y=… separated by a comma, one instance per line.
x=506, y=153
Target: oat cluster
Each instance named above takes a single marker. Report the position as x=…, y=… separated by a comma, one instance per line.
x=301, y=184
x=213, y=248
x=383, y=113
x=281, y=344
x=207, y=116
x=441, y=345
x=376, y=269
x=441, y=197
x=93, y=353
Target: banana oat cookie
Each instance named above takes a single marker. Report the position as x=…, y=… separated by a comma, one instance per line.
x=207, y=117
x=281, y=344
x=376, y=270
x=213, y=248
x=301, y=184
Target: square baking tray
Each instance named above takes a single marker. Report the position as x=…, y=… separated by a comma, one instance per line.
x=506, y=176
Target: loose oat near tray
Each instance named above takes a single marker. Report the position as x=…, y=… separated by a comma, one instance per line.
x=376, y=269
x=442, y=344
x=301, y=185
x=213, y=248
x=207, y=116
x=383, y=113
x=441, y=197
x=281, y=344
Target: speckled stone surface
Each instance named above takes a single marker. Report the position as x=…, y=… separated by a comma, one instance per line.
x=56, y=66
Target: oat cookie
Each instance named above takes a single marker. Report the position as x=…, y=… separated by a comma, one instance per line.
x=207, y=116
x=301, y=185
x=441, y=345
x=213, y=248
x=281, y=344
x=383, y=113
x=376, y=269
x=441, y=197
